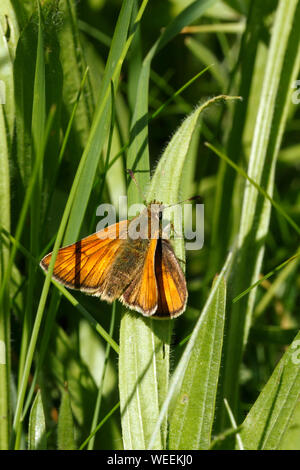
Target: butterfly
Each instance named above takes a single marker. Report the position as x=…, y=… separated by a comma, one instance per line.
x=141, y=271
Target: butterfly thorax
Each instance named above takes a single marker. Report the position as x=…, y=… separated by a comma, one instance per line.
x=147, y=225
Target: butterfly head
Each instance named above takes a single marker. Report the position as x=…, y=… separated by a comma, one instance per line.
x=155, y=210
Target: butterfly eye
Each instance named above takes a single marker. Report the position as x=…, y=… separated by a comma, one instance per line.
x=160, y=215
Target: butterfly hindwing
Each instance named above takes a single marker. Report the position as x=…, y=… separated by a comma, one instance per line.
x=141, y=294
x=171, y=285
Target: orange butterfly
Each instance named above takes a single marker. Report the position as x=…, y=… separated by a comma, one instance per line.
x=143, y=273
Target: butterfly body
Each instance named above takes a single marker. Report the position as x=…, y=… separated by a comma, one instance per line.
x=138, y=267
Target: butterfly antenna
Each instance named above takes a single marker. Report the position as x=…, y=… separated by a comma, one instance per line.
x=194, y=198
x=131, y=174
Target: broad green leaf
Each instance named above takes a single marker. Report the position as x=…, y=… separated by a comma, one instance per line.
x=180, y=371
x=270, y=417
x=141, y=365
x=65, y=427
x=37, y=425
x=192, y=419
x=291, y=438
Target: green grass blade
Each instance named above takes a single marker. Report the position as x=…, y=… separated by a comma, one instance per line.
x=94, y=33
x=261, y=190
x=37, y=425
x=8, y=22
x=74, y=64
x=287, y=270
x=193, y=414
x=281, y=70
x=175, y=94
x=100, y=390
x=138, y=153
x=134, y=63
x=53, y=178
x=35, y=264
x=23, y=11
x=235, y=27
x=24, y=74
x=88, y=316
x=266, y=276
x=6, y=115
x=37, y=132
x=251, y=76
x=101, y=122
x=234, y=425
x=220, y=438
x=4, y=310
x=65, y=427
x=208, y=59
x=99, y=426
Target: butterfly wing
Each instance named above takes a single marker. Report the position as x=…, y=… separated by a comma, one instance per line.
x=144, y=274
x=141, y=294
x=85, y=265
x=171, y=285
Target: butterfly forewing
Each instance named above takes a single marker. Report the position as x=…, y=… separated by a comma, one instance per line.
x=84, y=265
